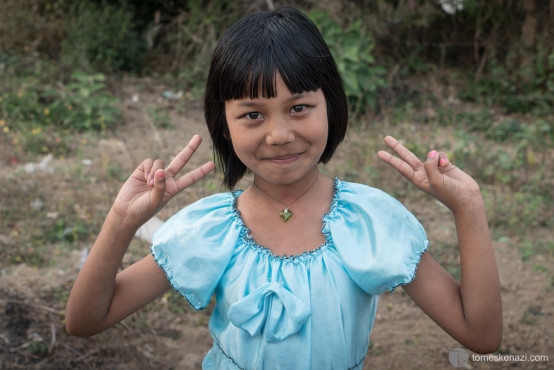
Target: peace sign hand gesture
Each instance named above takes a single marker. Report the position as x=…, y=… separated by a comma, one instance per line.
x=150, y=187
x=436, y=176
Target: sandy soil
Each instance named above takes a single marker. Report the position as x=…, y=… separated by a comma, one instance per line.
x=166, y=335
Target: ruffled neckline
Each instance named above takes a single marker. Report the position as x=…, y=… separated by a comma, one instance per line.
x=246, y=235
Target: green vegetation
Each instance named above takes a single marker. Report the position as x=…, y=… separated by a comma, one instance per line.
x=90, y=87
x=352, y=49
x=113, y=44
x=38, y=110
x=481, y=88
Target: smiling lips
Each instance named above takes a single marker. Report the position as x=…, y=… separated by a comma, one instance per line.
x=284, y=159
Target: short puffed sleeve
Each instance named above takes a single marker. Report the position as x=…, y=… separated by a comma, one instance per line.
x=380, y=242
x=195, y=246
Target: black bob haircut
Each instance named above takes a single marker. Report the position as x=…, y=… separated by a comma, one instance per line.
x=248, y=56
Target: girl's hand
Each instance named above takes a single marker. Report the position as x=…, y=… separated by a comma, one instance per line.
x=436, y=176
x=150, y=187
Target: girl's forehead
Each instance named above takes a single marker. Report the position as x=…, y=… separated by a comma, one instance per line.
x=280, y=91
x=265, y=86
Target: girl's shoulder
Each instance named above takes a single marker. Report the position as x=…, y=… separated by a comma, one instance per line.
x=360, y=189
x=194, y=246
x=360, y=208
x=219, y=202
x=211, y=211
x=380, y=242
x=364, y=196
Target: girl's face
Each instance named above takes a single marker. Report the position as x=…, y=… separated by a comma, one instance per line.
x=279, y=139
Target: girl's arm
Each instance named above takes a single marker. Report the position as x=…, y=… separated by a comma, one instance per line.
x=470, y=311
x=100, y=296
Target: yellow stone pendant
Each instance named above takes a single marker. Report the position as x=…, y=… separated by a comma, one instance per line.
x=285, y=215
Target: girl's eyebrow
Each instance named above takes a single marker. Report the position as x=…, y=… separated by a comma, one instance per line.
x=249, y=103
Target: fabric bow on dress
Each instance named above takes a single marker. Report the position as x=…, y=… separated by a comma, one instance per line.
x=272, y=311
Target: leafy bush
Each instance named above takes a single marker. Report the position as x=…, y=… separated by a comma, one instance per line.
x=517, y=89
x=82, y=104
x=191, y=37
x=514, y=158
x=352, y=49
x=38, y=111
x=28, y=26
x=104, y=37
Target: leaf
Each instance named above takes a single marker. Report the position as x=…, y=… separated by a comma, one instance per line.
x=351, y=83
x=351, y=51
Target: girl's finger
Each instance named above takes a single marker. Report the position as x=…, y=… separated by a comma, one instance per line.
x=157, y=194
x=432, y=164
x=403, y=152
x=146, y=166
x=183, y=157
x=405, y=169
x=443, y=160
x=157, y=165
x=190, y=178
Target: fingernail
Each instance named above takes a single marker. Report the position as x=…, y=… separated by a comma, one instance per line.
x=432, y=154
x=161, y=176
x=442, y=162
x=151, y=182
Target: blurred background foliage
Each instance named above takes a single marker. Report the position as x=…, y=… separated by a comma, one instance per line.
x=484, y=69
x=472, y=77
x=505, y=48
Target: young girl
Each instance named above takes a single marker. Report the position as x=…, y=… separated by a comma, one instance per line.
x=297, y=260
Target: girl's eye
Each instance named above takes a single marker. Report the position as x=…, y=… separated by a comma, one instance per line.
x=253, y=115
x=298, y=108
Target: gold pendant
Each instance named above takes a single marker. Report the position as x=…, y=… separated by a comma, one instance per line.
x=285, y=215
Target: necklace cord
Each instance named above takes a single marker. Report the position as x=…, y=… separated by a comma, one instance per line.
x=289, y=205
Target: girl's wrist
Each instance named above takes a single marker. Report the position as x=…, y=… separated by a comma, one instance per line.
x=470, y=204
x=121, y=222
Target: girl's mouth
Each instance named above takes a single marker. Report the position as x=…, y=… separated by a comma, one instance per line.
x=284, y=159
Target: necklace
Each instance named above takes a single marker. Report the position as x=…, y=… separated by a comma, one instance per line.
x=286, y=214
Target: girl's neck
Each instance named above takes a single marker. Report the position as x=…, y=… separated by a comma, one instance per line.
x=262, y=214
x=286, y=193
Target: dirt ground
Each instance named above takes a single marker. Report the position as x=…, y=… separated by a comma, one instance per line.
x=167, y=335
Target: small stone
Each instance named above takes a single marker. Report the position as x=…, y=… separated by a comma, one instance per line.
x=37, y=204
x=146, y=231
x=83, y=257
x=30, y=167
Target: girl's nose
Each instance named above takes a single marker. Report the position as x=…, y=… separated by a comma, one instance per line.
x=279, y=132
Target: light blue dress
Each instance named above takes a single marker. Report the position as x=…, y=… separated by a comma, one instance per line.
x=309, y=311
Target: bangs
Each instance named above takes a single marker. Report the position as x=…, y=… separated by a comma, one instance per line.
x=257, y=58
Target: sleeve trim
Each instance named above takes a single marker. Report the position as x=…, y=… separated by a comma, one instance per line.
x=413, y=266
x=166, y=268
